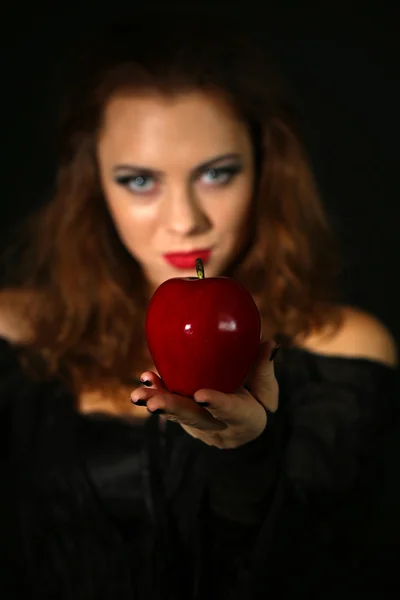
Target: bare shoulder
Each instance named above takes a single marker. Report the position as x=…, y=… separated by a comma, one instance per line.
x=14, y=324
x=359, y=335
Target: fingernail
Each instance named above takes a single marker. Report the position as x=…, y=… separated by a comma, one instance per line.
x=146, y=382
x=205, y=404
x=158, y=411
x=138, y=402
x=274, y=352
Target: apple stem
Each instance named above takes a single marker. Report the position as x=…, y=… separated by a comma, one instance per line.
x=199, y=268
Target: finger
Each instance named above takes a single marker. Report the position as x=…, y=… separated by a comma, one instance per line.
x=151, y=379
x=141, y=395
x=175, y=408
x=184, y=411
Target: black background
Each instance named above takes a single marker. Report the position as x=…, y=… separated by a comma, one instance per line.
x=342, y=63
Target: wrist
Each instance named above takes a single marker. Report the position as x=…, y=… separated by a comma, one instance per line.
x=246, y=449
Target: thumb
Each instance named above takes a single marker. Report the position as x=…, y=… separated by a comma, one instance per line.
x=262, y=383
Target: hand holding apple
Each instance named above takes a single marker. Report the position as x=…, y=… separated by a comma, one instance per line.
x=204, y=338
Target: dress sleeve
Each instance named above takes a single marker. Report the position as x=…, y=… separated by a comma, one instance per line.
x=312, y=532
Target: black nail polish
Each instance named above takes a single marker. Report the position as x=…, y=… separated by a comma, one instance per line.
x=158, y=411
x=274, y=352
x=147, y=383
x=204, y=404
x=139, y=402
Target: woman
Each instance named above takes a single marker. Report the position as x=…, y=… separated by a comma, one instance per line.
x=182, y=145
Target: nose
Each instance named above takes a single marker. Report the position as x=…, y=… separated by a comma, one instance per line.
x=183, y=214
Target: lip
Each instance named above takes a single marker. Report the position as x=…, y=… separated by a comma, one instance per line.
x=187, y=260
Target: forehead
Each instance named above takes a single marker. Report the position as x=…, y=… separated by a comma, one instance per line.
x=149, y=126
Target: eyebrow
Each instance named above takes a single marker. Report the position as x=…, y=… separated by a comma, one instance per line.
x=202, y=167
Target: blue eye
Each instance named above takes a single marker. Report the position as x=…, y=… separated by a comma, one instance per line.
x=220, y=176
x=138, y=184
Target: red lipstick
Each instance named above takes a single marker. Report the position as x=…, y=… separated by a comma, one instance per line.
x=187, y=260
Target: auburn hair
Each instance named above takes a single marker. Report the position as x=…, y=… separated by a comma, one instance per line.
x=87, y=309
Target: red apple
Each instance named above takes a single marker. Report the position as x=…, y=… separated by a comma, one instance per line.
x=203, y=333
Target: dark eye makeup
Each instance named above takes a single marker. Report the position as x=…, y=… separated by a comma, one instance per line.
x=145, y=182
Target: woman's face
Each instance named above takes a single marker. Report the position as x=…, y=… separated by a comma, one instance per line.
x=177, y=174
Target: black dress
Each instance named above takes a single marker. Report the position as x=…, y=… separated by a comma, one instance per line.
x=94, y=507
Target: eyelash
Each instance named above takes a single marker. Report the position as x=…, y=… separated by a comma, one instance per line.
x=229, y=172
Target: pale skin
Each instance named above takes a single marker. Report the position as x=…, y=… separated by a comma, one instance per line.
x=177, y=174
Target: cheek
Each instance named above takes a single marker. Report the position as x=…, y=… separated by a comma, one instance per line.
x=135, y=224
x=230, y=212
